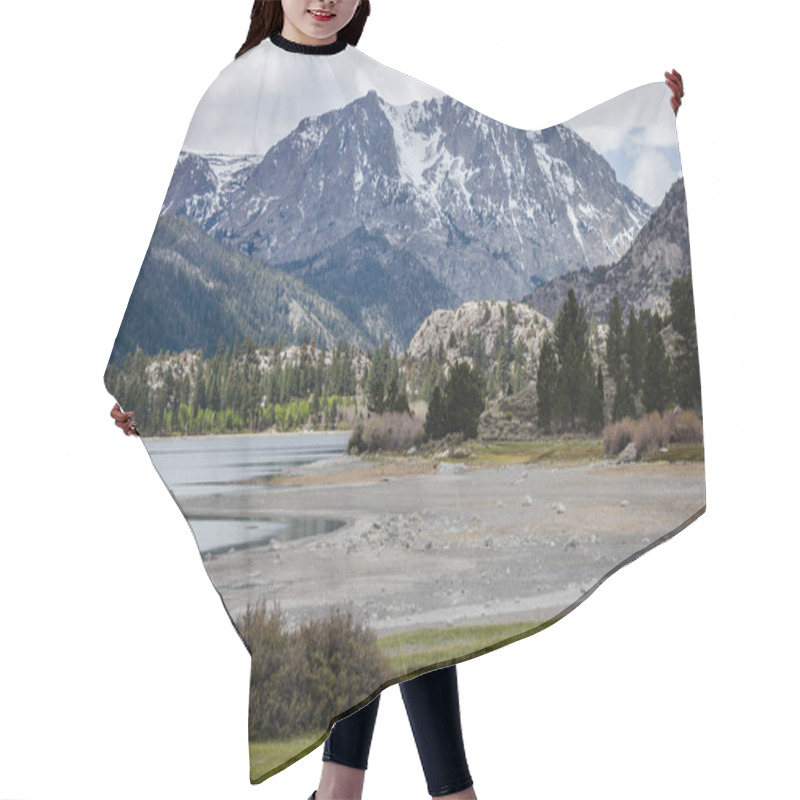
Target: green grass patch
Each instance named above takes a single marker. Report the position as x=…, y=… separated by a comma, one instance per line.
x=679, y=451
x=551, y=450
x=267, y=755
x=413, y=650
x=405, y=653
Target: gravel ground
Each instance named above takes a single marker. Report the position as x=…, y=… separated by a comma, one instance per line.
x=471, y=546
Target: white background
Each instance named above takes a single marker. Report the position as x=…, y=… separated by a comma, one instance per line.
x=121, y=674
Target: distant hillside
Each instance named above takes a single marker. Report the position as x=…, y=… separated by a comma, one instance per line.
x=641, y=278
x=193, y=292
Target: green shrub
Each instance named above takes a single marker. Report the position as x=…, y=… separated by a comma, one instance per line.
x=301, y=678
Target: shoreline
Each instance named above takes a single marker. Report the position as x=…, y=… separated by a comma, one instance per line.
x=250, y=433
x=491, y=544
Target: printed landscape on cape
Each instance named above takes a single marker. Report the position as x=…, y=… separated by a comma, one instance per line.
x=418, y=380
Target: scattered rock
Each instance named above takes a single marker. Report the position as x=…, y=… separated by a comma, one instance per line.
x=573, y=541
x=445, y=468
x=559, y=508
x=527, y=501
x=628, y=454
x=625, y=503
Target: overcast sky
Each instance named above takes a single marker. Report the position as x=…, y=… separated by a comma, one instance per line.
x=636, y=133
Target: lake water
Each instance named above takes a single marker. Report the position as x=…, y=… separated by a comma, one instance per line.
x=200, y=465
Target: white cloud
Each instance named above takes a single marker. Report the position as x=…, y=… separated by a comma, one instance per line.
x=636, y=132
x=651, y=176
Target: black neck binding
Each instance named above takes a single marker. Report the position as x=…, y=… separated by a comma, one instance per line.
x=308, y=49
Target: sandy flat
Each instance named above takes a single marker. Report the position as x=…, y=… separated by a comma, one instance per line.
x=420, y=549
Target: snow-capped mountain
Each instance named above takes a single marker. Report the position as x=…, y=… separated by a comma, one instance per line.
x=201, y=185
x=487, y=209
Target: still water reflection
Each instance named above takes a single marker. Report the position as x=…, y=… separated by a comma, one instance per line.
x=202, y=465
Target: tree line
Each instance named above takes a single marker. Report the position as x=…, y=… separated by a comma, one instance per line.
x=251, y=389
x=645, y=377
x=233, y=391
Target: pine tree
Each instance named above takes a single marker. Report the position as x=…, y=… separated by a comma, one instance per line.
x=435, y=423
x=575, y=382
x=636, y=341
x=503, y=372
x=375, y=395
x=571, y=324
x=381, y=370
x=200, y=384
x=546, y=382
x=615, y=340
x=624, y=405
x=401, y=405
x=463, y=400
x=569, y=385
x=657, y=379
x=594, y=414
x=687, y=364
x=520, y=365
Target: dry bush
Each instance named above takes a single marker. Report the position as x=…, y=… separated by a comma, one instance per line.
x=390, y=431
x=652, y=432
x=617, y=436
x=300, y=679
x=684, y=426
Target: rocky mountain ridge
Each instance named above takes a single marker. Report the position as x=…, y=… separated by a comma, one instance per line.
x=641, y=278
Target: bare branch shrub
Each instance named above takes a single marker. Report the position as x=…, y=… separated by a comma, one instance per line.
x=300, y=679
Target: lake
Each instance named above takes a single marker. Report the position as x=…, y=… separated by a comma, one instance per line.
x=193, y=466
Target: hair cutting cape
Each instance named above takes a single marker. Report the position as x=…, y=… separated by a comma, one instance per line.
x=418, y=380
